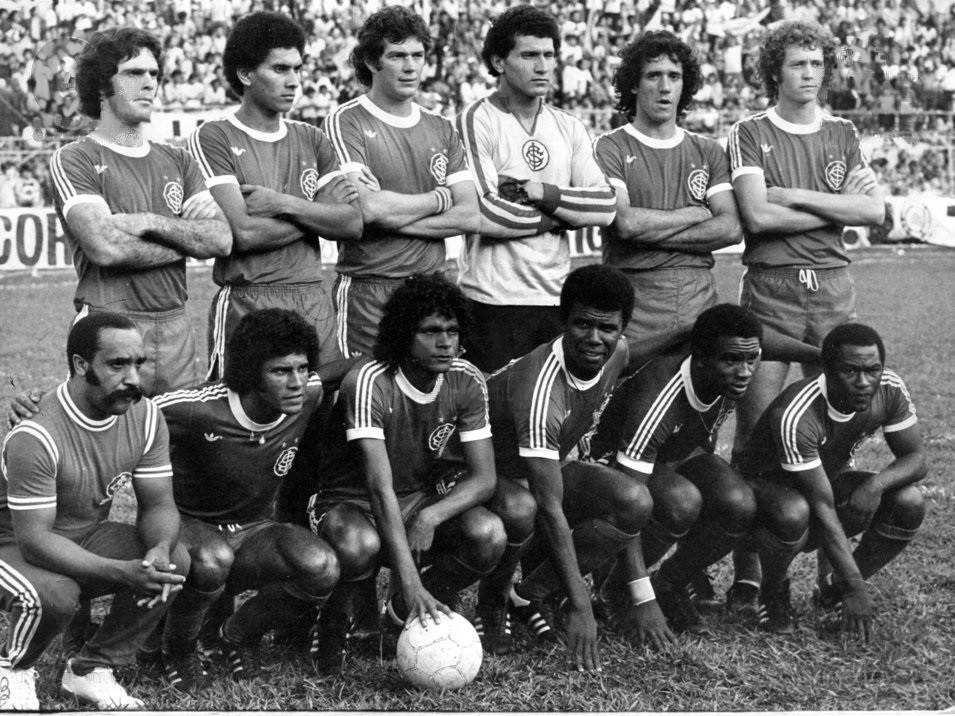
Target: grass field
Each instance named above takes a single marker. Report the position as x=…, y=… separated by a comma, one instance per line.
x=909, y=664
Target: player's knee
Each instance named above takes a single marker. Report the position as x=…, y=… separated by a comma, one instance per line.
x=517, y=510
x=357, y=550
x=317, y=562
x=634, y=505
x=787, y=519
x=210, y=565
x=56, y=605
x=485, y=537
x=678, y=509
x=735, y=507
x=905, y=507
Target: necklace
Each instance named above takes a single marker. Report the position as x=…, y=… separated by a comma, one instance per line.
x=717, y=421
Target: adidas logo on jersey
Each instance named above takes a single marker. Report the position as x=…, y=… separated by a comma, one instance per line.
x=100, y=168
x=238, y=151
x=767, y=148
x=211, y=437
x=371, y=133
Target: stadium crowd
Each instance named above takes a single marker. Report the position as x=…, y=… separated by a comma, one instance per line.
x=897, y=62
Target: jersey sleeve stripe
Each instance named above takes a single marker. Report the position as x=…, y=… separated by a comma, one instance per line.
x=188, y=395
x=907, y=423
x=790, y=422
x=40, y=433
x=544, y=453
x=472, y=370
x=651, y=421
x=802, y=466
x=333, y=131
x=151, y=418
x=195, y=198
x=195, y=148
x=359, y=433
x=718, y=189
x=220, y=180
x=64, y=187
x=365, y=393
x=732, y=146
x=31, y=503
x=325, y=179
x=641, y=466
x=151, y=473
x=458, y=178
x=540, y=402
x=78, y=199
x=468, y=436
x=618, y=183
x=737, y=173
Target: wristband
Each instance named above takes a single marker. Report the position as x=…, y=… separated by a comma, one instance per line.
x=551, y=200
x=443, y=195
x=641, y=591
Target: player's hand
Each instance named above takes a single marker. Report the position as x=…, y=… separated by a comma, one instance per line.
x=262, y=201
x=581, y=633
x=861, y=180
x=858, y=611
x=421, y=534
x=340, y=190
x=646, y=625
x=422, y=605
x=366, y=179
x=23, y=406
x=200, y=207
x=153, y=575
x=512, y=189
x=863, y=502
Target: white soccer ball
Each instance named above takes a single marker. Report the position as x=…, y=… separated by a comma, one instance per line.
x=446, y=655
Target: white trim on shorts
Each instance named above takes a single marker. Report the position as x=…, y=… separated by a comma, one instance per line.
x=341, y=304
x=217, y=354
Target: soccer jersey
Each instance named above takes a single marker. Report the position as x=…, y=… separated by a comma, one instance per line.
x=227, y=467
x=408, y=155
x=155, y=178
x=816, y=156
x=61, y=459
x=418, y=428
x=539, y=409
x=663, y=174
x=801, y=430
x=656, y=415
x=528, y=271
x=297, y=160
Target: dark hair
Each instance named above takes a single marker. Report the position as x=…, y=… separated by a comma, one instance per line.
x=719, y=321
x=849, y=334
x=518, y=20
x=649, y=46
x=263, y=335
x=786, y=34
x=392, y=24
x=97, y=63
x=416, y=299
x=597, y=286
x=83, y=339
x=252, y=39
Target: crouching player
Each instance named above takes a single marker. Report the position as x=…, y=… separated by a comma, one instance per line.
x=91, y=436
x=799, y=462
x=660, y=428
x=400, y=421
x=232, y=443
x=541, y=406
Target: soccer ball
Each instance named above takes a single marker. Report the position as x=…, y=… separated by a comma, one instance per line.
x=446, y=655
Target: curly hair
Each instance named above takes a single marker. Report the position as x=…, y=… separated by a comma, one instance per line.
x=597, y=286
x=100, y=58
x=416, y=299
x=849, y=334
x=252, y=39
x=83, y=339
x=650, y=46
x=261, y=336
x=394, y=24
x=518, y=20
x=724, y=320
x=789, y=34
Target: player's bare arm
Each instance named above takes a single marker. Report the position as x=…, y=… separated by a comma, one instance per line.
x=203, y=234
x=858, y=203
x=252, y=233
x=388, y=209
x=721, y=229
x=760, y=215
x=462, y=217
x=106, y=243
x=547, y=487
x=331, y=214
x=384, y=504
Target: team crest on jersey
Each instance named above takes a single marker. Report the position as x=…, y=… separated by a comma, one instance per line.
x=172, y=194
x=284, y=462
x=835, y=175
x=697, y=182
x=309, y=183
x=438, y=439
x=535, y=154
x=115, y=485
x=438, y=166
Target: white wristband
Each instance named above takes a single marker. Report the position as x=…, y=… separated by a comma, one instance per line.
x=641, y=591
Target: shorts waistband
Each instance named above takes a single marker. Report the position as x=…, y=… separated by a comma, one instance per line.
x=667, y=270
x=172, y=314
x=273, y=287
x=796, y=271
x=383, y=280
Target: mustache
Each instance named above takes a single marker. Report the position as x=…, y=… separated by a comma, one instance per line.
x=135, y=394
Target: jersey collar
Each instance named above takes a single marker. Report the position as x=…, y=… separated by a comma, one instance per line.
x=691, y=396
x=830, y=410
x=420, y=397
x=557, y=348
x=387, y=117
x=238, y=412
x=136, y=152
x=75, y=415
x=257, y=134
x=814, y=126
x=653, y=142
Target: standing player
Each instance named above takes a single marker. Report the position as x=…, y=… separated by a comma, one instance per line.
x=232, y=443
x=660, y=429
x=799, y=461
x=279, y=184
x=799, y=178
x=134, y=209
x=92, y=436
x=536, y=177
x=408, y=467
x=414, y=186
x=541, y=406
x=675, y=203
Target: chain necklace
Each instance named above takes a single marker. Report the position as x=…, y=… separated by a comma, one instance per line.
x=716, y=421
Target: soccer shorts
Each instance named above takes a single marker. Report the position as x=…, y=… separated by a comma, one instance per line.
x=193, y=531
x=361, y=303
x=172, y=356
x=503, y=333
x=804, y=304
x=667, y=301
x=310, y=300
